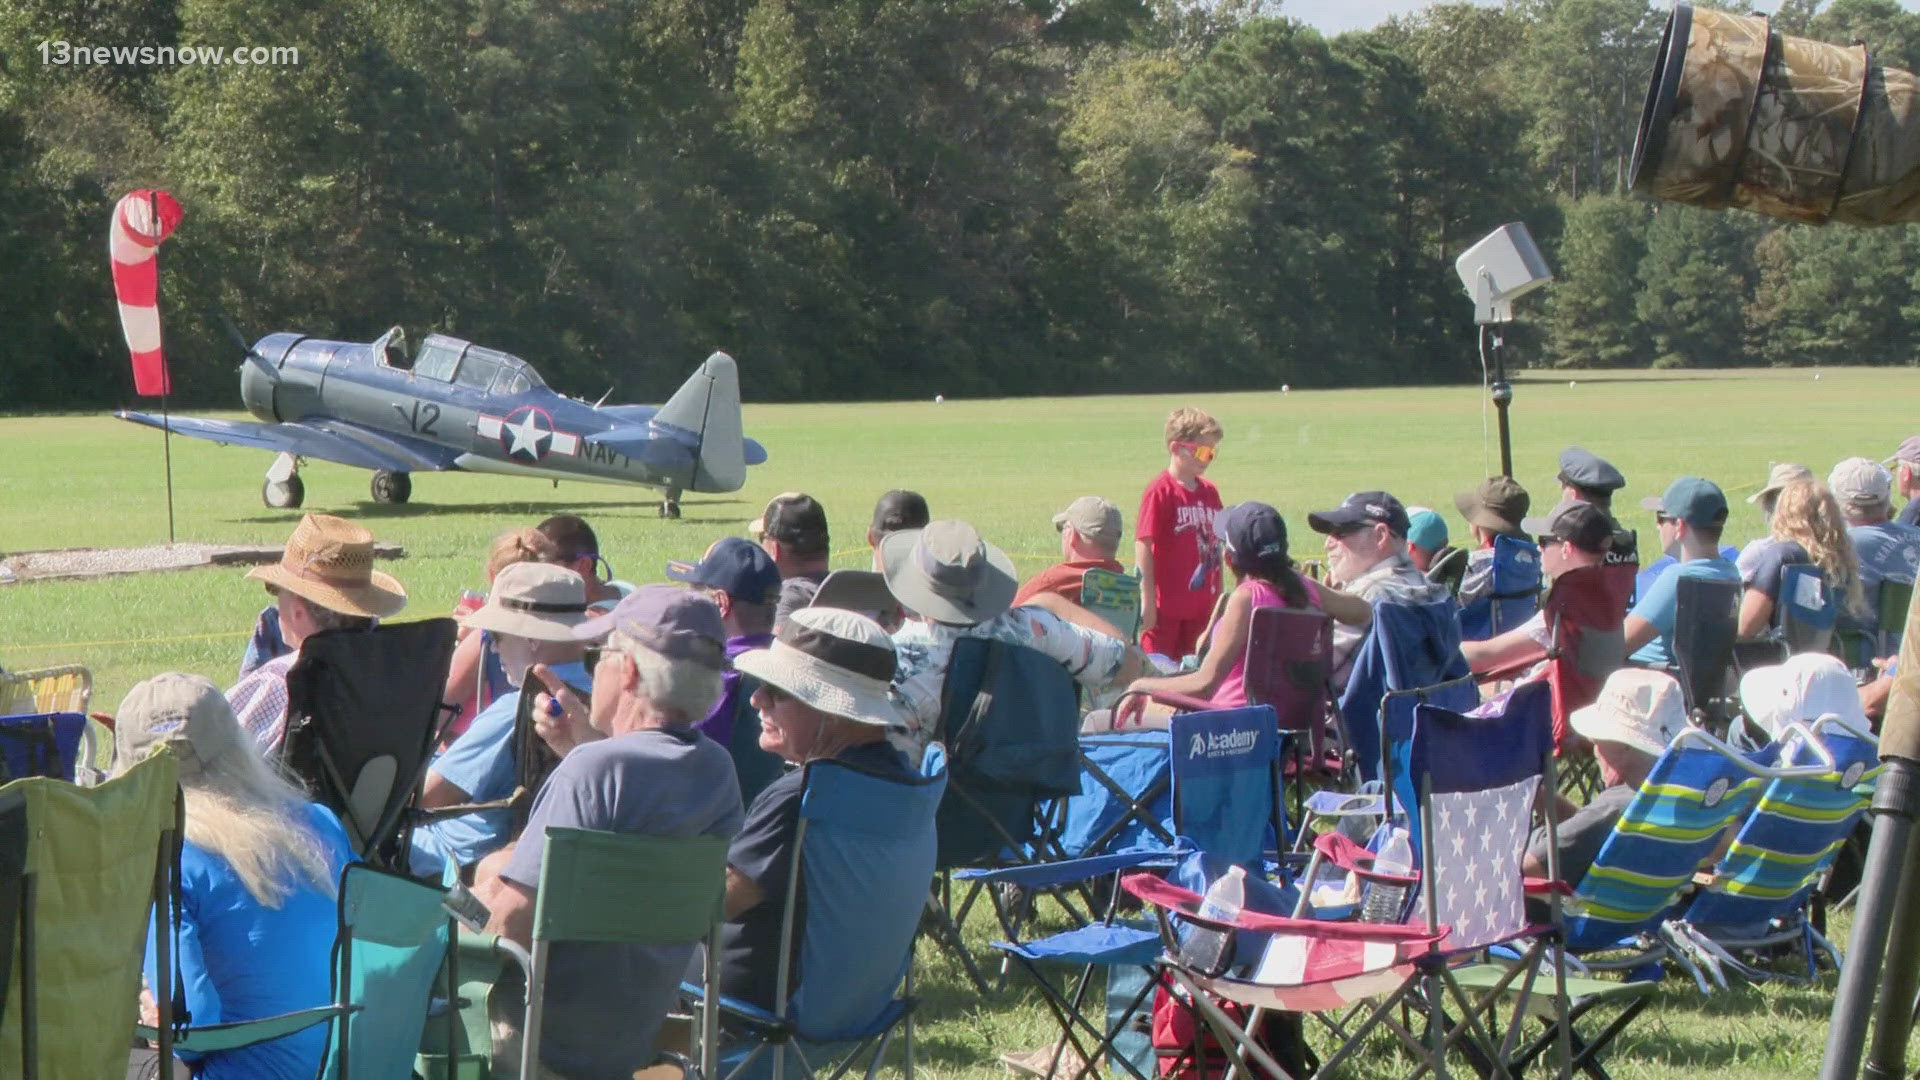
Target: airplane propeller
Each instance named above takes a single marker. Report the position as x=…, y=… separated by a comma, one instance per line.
x=240, y=341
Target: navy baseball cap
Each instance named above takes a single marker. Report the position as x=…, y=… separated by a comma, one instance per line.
x=1583, y=468
x=1362, y=508
x=740, y=568
x=1254, y=534
x=1699, y=503
x=679, y=624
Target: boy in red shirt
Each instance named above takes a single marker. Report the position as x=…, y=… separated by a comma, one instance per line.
x=1179, y=561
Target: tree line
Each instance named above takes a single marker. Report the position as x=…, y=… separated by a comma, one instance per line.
x=889, y=198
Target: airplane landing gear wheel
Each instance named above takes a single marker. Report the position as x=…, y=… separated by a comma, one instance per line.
x=283, y=494
x=670, y=508
x=392, y=487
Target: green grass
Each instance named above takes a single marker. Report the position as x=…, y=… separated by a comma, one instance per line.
x=1007, y=466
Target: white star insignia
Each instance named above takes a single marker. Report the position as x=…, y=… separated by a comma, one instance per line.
x=527, y=435
x=1500, y=809
x=1459, y=844
x=1480, y=896
x=1473, y=814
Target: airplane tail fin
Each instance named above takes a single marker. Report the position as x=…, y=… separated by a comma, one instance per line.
x=707, y=407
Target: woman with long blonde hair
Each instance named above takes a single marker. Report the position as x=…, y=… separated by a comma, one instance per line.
x=257, y=877
x=1807, y=527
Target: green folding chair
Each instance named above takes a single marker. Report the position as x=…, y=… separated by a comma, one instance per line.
x=588, y=881
x=392, y=941
x=77, y=879
x=1114, y=597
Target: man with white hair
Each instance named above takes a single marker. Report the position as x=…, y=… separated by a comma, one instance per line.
x=1367, y=556
x=824, y=695
x=531, y=613
x=631, y=763
x=1906, y=478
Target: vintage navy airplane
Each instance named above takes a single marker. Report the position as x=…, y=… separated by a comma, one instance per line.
x=456, y=405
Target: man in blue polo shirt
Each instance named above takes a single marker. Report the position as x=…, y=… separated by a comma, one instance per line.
x=1690, y=517
x=532, y=612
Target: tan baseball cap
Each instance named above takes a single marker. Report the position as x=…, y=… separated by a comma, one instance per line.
x=1859, y=481
x=1092, y=517
x=187, y=714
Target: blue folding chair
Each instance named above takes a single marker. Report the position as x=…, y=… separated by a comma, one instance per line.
x=43, y=744
x=1410, y=647
x=1514, y=594
x=1760, y=889
x=866, y=847
x=1805, y=613
x=1224, y=785
x=1126, y=795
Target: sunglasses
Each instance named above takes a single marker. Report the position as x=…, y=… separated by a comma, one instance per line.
x=1664, y=519
x=1201, y=452
x=1546, y=542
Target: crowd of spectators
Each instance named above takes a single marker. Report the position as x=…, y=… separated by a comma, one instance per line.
x=637, y=690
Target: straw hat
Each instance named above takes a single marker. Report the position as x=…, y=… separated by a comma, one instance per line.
x=839, y=662
x=329, y=561
x=539, y=601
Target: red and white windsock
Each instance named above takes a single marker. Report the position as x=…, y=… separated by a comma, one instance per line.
x=140, y=221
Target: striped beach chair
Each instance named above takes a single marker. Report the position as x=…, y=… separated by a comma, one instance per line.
x=1759, y=893
x=1697, y=790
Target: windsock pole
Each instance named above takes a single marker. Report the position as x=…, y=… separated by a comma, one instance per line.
x=166, y=422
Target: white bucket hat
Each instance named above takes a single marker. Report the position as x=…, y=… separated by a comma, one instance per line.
x=1805, y=688
x=839, y=662
x=1638, y=708
x=539, y=601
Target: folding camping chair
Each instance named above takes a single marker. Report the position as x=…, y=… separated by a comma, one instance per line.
x=1695, y=791
x=1860, y=645
x=44, y=744
x=588, y=881
x=1010, y=722
x=866, y=847
x=1471, y=823
x=1705, y=621
x=363, y=714
x=1584, y=612
x=1225, y=792
x=67, y=688
x=1114, y=597
x=1411, y=654
x=1805, y=613
x=392, y=941
x=1514, y=594
x=80, y=869
x=1759, y=892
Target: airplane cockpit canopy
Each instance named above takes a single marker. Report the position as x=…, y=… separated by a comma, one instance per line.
x=477, y=367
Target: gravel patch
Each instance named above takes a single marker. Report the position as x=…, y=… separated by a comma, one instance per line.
x=72, y=563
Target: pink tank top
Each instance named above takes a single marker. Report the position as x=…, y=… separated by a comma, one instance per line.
x=1232, y=691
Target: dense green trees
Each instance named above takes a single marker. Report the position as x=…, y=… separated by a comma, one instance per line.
x=874, y=198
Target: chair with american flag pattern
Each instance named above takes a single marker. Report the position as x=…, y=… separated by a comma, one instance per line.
x=1474, y=779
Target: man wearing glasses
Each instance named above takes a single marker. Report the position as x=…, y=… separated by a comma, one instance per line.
x=1576, y=534
x=1690, y=517
x=1367, y=556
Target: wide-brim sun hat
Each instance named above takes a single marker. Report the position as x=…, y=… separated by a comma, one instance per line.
x=1804, y=688
x=946, y=573
x=329, y=561
x=1639, y=708
x=839, y=662
x=538, y=601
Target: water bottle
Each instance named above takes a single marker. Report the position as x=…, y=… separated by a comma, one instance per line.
x=1385, y=900
x=1206, y=949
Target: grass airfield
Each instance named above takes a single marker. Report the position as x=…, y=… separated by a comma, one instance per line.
x=1006, y=466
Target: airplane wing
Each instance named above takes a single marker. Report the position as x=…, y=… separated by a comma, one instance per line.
x=324, y=438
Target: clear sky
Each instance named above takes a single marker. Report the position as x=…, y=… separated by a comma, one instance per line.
x=1334, y=16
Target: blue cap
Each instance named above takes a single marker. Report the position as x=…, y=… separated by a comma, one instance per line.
x=738, y=567
x=1583, y=468
x=1426, y=530
x=1699, y=503
x=1256, y=538
x=676, y=623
